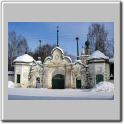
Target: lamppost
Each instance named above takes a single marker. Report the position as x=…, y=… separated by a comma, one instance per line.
x=77, y=39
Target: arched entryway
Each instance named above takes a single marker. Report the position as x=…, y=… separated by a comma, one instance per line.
x=78, y=83
x=58, y=81
x=38, y=82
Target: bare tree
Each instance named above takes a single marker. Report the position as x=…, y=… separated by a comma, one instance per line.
x=17, y=45
x=43, y=51
x=98, y=38
x=73, y=58
x=13, y=42
x=10, y=58
x=109, y=49
x=22, y=45
x=12, y=48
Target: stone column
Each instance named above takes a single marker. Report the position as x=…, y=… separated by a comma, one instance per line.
x=68, y=78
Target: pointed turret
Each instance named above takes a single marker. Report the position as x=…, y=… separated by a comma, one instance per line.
x=85, y=52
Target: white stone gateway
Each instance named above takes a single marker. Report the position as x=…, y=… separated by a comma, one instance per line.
x=59, y=72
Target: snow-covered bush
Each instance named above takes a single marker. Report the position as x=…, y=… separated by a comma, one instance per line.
x=104, y=86
x=11, y=84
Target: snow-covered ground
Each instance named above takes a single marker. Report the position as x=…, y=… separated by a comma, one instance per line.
x=11, y=84
x=104, y=86
x=102, y=91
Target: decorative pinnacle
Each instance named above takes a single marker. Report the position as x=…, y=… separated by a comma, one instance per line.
x=57, y=36
x=57, y=28
x=77, y=38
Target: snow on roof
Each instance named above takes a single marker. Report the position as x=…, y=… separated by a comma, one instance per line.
x=39, y=61
x=97, y=55
x=49, y=57
x=78, y=61
x=58, y=49
x=24, y=58
x=111, y=60
x=68, y=58
x=87, y=66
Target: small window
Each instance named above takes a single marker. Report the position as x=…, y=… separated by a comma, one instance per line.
x=18, y=78
x=99, y=78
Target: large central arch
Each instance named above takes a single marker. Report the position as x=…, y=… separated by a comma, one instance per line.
x=58, y=81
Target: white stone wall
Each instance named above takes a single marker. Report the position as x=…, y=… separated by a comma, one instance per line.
x=23, y=70
x=92, y=72
x=78, y=72
x=18, y=70
x=73, y=83
x=45, y=77
x=99, y=68
x=68, y=78
x=36, y=72
x=25, y=74
x=107, y=71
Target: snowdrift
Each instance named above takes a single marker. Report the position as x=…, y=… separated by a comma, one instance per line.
x=11, y=84
x=104, y=86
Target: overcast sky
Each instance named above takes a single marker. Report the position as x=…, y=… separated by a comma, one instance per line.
x=46, y=32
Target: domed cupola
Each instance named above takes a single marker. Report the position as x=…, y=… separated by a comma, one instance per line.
x=24, y=59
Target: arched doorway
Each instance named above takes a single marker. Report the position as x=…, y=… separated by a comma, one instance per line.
x=78, y=83
x=38, y=82
x=58, y=81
